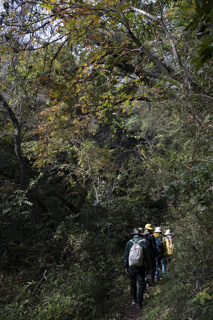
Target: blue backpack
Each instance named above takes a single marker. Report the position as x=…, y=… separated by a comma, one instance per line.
x=159, y=244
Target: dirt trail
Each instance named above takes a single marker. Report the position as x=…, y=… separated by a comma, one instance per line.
x=130, y=312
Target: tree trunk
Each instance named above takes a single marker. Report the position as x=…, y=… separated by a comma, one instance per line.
x=17, y=143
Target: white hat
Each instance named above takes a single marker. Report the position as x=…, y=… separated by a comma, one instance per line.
x=168, y=232
x=158, y=230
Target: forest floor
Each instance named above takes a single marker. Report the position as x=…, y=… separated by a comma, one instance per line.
x=130, y=311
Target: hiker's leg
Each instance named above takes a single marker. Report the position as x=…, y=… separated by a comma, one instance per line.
x=157, y=271
x=133, y=278
x=146, y=280
x=163, y=266
x=153, y=269
x=141, y=284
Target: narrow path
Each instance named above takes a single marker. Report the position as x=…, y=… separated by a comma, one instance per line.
x=130, y=312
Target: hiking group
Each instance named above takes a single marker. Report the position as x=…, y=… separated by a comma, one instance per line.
x=144, y=256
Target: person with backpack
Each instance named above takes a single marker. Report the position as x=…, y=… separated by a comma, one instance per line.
x=147, y=276
x=151, y=244
x=161, y=251
x=169, y=244
x=136, y=259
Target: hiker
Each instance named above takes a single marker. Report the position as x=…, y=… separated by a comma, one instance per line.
x=151, y=244
x=142, y=236
x=161, y=251
x=169, y=244
x=147, y=276
x=136, y=259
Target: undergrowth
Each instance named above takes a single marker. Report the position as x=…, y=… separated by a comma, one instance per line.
x=186, y=291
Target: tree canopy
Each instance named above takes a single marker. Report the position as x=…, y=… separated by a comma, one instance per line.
x=106, y=124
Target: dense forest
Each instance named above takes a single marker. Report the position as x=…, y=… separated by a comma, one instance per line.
x=105, y=125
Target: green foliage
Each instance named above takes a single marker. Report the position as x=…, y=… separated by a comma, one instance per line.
x=116, y=130
x=81, y=290
x=194, y=185
x=202, y=23
x=186, y=291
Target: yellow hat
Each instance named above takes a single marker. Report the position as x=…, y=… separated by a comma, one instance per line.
x=148, y=226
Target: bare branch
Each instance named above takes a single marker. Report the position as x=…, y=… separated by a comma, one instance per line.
x=169, y=72
x=169, y=36
x=6, y=135
x=40, y=282
x=17, y=141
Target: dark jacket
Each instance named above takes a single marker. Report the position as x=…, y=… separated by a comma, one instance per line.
x=151, y=244
x=146, y=255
